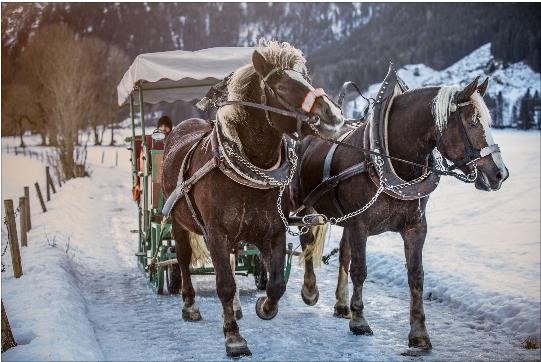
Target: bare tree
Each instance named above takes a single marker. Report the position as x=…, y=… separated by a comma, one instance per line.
x=117, y=63
x=18, y=109
x=64, y=69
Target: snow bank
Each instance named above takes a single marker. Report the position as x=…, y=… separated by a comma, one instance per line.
x=46, y=307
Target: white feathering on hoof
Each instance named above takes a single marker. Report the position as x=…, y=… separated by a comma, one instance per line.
x=314, y=250
x=200, y=253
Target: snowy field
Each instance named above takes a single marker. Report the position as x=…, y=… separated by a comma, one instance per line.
x=82, y=296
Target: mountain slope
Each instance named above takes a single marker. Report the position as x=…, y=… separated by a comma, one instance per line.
x=508, y=83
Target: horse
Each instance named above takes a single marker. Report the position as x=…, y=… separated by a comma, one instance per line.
x=231, y=173
x=453, y=120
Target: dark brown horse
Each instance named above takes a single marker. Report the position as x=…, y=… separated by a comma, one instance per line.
x=230, y=207
x=419, y=121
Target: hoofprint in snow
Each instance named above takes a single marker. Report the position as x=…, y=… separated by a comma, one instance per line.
x=82, y=296
x=512, y=81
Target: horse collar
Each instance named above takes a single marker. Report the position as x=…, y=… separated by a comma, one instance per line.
x=238, y=168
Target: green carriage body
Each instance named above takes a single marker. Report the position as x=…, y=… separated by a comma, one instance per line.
x=156, y=256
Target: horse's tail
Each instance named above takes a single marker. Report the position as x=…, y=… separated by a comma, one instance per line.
x=200, y=253
x=314, y=250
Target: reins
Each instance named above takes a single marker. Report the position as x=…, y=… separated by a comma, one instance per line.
x=447, y=172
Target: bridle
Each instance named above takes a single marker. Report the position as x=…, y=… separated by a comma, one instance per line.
x=302, y=114
x=472, y=154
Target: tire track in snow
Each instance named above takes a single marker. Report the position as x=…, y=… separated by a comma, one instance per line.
x=132, y=323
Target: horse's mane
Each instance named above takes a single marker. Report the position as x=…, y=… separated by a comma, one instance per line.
x=442, y=104
x=444, y=100
x=244, y=84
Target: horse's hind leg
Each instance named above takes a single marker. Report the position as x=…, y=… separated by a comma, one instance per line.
x=414, y=238
x=309, y=291
x=356, y=237
x=190, y=311
x=235, y=345
x=341, y=308
x=274, y=255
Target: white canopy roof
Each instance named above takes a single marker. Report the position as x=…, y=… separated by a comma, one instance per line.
x=180, y=75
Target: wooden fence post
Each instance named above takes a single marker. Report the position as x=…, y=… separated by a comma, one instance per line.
x=13, y=243
x=116, y=159
x=102, y=156
x=40, y=198
x=50, y=180
x=22, y=220
x=7, y=337
x=15, y=151
x=47, y=185
x=27, y=204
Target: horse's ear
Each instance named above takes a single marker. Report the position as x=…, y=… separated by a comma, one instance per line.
x=483, y=87
x=465, y=94
x=260, y=64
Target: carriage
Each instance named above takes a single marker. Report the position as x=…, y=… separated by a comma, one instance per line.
x=169, y=77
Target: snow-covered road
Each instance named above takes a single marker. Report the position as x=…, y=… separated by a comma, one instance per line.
x=85, y=298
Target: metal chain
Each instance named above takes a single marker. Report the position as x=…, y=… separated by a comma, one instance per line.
x=293, y=159
x=469, y=178
x=270, y=180
x=381, y=188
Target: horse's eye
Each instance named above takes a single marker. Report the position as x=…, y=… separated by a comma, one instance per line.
x=280, y=88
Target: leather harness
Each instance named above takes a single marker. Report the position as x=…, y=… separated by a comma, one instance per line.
x=222, y=147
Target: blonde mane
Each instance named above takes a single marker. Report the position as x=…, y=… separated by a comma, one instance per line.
x=441, y=106
x=244, y=84
x=444, y=102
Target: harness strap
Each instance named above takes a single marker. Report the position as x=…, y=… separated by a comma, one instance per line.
x=184, y=186
x=332, y=182
x=264, y=107
x=310, y=99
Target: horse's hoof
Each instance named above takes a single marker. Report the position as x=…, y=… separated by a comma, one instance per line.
x=342, y=311
x=360, y=327
x=261, y=313
x=309, y=298
x=191, y=313
x=238, y=314
x=421, y=342
x=236, y=347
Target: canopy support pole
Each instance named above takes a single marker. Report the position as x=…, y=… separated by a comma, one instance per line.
x=146, y=212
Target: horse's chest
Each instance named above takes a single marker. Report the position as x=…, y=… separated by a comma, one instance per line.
x=392, y=215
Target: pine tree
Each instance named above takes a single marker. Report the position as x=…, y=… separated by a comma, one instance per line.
x=525, y=117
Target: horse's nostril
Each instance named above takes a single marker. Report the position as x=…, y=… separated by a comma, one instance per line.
x=499, y=175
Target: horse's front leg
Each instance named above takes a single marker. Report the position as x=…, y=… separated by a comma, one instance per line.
x=356, y=237
x=414, y=238
x=341, y=308
x=309, y=291
x=267, y=307
x=235, y=345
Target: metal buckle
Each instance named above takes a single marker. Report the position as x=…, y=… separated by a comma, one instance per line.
x=315, y=219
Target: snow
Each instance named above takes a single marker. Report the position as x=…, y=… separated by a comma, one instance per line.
x=512, y=80
x=85, y=299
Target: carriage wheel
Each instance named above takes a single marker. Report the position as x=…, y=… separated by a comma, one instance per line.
x=260, y=274
x=174, y=279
